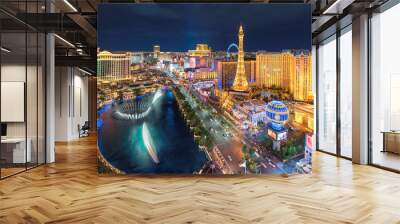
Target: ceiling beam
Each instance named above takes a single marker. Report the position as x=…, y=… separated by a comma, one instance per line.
x=86, y=27
x=89, y=62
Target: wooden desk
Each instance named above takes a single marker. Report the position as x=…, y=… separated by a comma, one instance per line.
x=391, y=141
x=13, y=150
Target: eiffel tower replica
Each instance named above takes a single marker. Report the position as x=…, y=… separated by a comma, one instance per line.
x=240, y=84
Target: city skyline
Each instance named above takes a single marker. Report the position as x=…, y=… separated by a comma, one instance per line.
x=183, y=106
x=232, y=51
x=179, y=27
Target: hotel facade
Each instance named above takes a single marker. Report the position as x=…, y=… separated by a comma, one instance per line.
x=112, y=66
x=287, y=70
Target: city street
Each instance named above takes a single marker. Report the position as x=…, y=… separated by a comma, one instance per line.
x=230, y=142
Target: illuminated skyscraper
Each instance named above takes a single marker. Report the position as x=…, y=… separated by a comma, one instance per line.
x=202, y=50
x=287, y=70
x=240, y=83
x=270, y=70
x=204, y=74
x=156, y=51
x=302, y=80
x=112, y=67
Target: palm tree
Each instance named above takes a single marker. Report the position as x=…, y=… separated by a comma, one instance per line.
x=137, y=91
x=120, y=95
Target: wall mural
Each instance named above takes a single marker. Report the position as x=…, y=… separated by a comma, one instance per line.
x=204, y=89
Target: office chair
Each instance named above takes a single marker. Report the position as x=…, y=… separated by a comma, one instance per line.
x=84, y=130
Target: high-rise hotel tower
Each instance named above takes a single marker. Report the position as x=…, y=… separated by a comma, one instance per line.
x=289, y=70
x=112, y=67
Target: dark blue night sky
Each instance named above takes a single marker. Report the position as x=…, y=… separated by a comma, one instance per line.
x=179, y=27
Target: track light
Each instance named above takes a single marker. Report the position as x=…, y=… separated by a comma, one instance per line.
x=5, y=50
x=329, y=9
x=70, y=5
x=64, y=40
x=86, y=72
x=337, y=7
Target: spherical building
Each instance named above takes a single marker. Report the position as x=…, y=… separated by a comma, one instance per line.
x=277, y=114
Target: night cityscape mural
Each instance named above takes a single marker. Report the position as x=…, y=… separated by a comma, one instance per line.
x=204, y=89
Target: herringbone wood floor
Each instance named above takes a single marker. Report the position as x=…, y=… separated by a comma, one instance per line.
x=70, y=191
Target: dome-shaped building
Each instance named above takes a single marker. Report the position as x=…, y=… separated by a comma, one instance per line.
x=277, y=114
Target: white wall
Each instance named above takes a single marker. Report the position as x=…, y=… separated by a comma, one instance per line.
x=33, y=127
x=61, y=103
x=71, y=102
x=12, y=73
x=16, y=73
x=13, y=101
x=80, y=110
